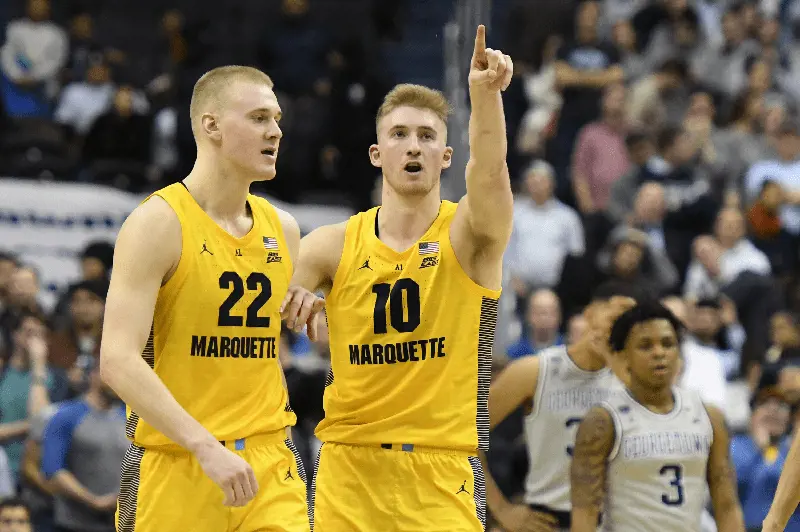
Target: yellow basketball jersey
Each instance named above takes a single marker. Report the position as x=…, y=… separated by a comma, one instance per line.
x=216, y=326
x=411, y=343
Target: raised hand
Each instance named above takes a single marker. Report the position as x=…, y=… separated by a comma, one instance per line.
x=489, y=69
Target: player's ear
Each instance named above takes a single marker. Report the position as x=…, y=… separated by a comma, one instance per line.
x=210, y=126
x=375, y=156
x=447, y=157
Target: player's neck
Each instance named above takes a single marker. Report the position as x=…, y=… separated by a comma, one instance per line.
x=403, y=220
x=582, y=354
x=660, y=401
x=218, y=190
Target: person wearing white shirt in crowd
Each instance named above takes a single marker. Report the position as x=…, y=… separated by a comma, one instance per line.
x=702, y=369
x=35, y=48
x=545, y=232
x=720, y=259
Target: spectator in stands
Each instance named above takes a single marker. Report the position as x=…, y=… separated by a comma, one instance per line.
x=632, y=62
x=35, y=490
x=713, y=324
x=626, y=260
x=117, y=147
x=719, y=260
x=648, y=216
x=76, y=348
x=543, y=323
x=82, y=450
x=28, y=385
x=545, y=233
x=701, y=370
x=584, y=66
x=83, y=48
x=767, y=232
x=82, y=102
x=722, y=67
x=15, y=516
x=647, y=106
x=31, y=59
x=686, y=190
x=23, y=295
x=600, y=156
x=8, y=263
x=759, y=455
x=784, y=171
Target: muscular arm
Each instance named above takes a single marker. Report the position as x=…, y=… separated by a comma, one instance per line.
x=722, y=477
x=593, y=446
x=148, y=248
x=319, y=255
x=515, y=385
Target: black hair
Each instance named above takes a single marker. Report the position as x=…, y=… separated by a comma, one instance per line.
x=613, y=288
x=675, y=67
x=642, y=312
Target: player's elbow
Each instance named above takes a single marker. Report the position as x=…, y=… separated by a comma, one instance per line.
x=110, y=364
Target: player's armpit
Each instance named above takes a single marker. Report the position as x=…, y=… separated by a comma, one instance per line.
x=593, y=445
x=722, y=477
x=515, y=385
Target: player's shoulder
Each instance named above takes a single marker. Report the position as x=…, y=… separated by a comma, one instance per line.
x=153, y=214
x=151, y=235
x=329, y=236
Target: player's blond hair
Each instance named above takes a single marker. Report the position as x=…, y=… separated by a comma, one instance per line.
x=211, y=87
x=417, y=96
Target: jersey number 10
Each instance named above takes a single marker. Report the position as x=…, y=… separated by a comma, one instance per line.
x=394, y=295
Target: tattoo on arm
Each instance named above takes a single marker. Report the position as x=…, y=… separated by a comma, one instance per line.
x=593, y=446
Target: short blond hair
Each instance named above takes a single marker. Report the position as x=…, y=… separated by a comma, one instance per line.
x=211, y=86
x=417, y=96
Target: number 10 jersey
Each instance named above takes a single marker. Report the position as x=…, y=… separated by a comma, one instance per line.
x=216, y=325
x=411, y=343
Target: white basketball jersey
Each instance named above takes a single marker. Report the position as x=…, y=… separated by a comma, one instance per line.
x=657, y=468
x=564, y=394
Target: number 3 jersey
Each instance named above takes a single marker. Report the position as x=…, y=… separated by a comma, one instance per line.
x=564, y=394
x=216, y=325
x=411, y=343
x=657, y=469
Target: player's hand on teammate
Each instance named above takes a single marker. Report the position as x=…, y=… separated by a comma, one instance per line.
x=230, y=472
x=300, y=308
x=520, y=518
x=489, y=69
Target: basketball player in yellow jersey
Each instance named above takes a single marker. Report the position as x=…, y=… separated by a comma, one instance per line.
x=192, y=328
x=412, y=290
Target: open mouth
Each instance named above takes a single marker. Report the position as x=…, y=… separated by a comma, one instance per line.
x=660, y=368
x=270, y=152
x=413, y=167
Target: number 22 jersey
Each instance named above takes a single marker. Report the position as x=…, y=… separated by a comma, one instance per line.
x=411, y=343
x=216, y=325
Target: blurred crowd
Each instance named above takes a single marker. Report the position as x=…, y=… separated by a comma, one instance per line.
x=654, y=147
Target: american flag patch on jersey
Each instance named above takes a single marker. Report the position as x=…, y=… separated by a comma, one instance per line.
x=428, y=248
x=270, y=243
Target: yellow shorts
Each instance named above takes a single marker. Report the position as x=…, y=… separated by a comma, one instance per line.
x=374, y=489
x=167, y=491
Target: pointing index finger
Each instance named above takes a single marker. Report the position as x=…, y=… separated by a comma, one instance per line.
x=480, y=41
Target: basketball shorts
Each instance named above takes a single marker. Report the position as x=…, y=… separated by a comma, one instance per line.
x=366, y=489
x=167, y=491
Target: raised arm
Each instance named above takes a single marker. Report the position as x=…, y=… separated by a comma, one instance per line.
x=515, y=385
x=722, y=477
x=593, y=446
x=147, y=251
x=314, y=270
x=489, y=201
